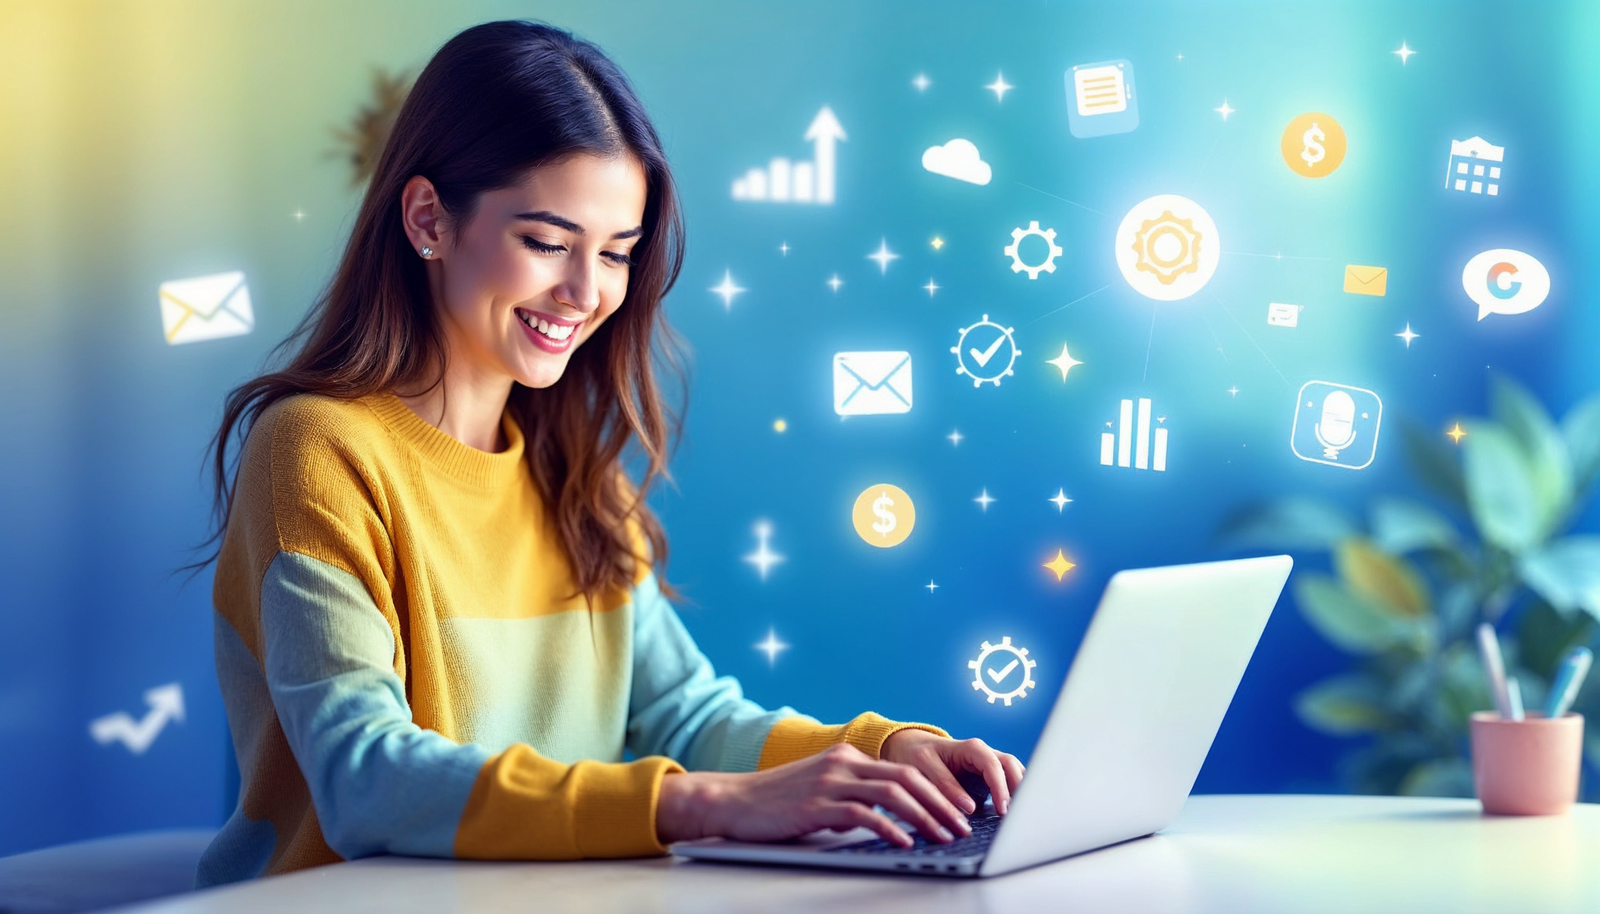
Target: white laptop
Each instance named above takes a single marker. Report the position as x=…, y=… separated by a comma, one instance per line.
x=1132, y=725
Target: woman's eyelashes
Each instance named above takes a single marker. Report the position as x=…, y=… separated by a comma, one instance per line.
x=620, y=258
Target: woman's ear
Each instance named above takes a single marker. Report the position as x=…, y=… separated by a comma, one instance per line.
x=423, y=216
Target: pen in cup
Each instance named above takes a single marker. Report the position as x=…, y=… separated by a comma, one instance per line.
x=1514, y=698
x=1569, y=678
x=1494, y=666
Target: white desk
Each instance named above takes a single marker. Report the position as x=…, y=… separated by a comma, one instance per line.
x=1233, y=854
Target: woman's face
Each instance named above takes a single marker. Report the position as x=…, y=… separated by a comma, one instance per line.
x=538, y=267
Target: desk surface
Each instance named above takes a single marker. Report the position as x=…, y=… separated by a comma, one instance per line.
x=1225, y=853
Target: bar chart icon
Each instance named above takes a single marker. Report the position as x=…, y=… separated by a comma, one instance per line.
x=786, y=181
x=1131, y=444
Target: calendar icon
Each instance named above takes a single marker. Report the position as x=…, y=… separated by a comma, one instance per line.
x=1474, y=166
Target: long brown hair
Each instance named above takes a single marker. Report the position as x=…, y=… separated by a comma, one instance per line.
x=495, y=101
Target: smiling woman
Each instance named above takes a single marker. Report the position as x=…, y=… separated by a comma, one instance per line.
x=439, y=627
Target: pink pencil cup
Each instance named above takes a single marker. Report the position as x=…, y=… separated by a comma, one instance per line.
x=1526, y=767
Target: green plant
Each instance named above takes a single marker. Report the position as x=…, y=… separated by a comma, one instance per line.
x=1410, y=586
x=363, y=139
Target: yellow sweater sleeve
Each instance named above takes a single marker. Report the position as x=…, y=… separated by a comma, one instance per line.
x=795, y=738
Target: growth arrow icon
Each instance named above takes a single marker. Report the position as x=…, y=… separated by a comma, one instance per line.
x=166, y=704
x=825, y=130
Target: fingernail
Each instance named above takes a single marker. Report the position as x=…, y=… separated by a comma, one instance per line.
x=968, y=806
x=945, y=834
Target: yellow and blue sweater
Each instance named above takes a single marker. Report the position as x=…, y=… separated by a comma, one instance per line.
x=406, y=670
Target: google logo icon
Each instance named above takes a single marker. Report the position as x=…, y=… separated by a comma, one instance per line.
x=1503, y=281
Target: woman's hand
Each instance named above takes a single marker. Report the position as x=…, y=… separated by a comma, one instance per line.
x=836, y=788
x=938, y=758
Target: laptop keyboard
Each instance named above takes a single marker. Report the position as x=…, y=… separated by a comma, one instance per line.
x=973, y=845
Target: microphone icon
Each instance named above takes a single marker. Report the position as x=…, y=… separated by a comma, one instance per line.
x=1336, y=430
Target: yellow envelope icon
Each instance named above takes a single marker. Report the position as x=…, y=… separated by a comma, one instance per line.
x=871, y=383
x=1359, y=280
x=206, y=308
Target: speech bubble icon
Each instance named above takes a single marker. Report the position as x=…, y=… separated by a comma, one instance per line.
x=1503, y=281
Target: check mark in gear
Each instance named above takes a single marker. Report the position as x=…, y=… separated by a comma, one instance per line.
x=975, y=363
x=1020, y=655
x=1168, y=247
x=1048, y=265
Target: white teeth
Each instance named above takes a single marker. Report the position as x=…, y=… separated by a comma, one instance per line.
x=553, y=331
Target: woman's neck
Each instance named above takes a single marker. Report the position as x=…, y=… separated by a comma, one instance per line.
x=465, y=405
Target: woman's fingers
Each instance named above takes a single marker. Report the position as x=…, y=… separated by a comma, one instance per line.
x=939, y=774
x=843, y=815
x=980, y=758
x=916, y=782
x=896, y=799
x=1014, y=770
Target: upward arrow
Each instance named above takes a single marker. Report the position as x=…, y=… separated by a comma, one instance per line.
x=824, y=131
x=166, y=704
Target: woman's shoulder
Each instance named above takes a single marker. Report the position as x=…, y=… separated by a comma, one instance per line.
x=312, y=428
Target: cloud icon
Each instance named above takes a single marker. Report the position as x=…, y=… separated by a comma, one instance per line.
x=957, y=159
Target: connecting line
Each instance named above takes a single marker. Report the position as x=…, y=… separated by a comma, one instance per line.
x=1071, y=303
x=1150, y=343
x=1276, y=256
x=1062, y=199
x=1214, y=338
x=1251, y=339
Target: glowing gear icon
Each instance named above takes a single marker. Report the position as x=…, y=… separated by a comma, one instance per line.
x=1168, y=246
x=1048, y=265
x=1019, y=657
x=980, y=364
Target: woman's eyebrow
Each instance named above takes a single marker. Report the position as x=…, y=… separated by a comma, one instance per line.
x=562, y=222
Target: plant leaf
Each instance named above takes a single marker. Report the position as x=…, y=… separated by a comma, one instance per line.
x=1288, y=523
x=1500, y=488
x=1384, y=580
x=1566, y=573
x=1546, y=451
x=1345, y=705
x=1350, y=622
x=1580, y=428
x=1400, y=526
x=1435, y=463
x=1444, y=777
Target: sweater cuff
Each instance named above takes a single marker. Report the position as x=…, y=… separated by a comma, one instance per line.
x=798, y=737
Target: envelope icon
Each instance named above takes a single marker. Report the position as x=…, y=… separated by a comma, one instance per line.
x=871, y=383
x=206, y=308
x=1359, y=280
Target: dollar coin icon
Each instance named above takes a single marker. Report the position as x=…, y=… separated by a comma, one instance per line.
x=1313, y=145
x=883, y=515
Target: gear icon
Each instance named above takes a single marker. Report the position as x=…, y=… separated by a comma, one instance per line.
x=1048, y=265
x=980, y=374
x=1020, y=653
x=1168, y=247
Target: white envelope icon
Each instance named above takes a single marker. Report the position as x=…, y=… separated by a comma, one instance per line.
x=871, y=383
x=206, y=308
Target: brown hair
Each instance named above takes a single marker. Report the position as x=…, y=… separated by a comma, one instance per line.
x=495, y=101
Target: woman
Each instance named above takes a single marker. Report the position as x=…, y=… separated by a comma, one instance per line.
x=438, y=629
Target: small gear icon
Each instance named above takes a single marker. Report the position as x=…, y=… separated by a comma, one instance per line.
x=981, y=373
x=1048, y=265
x=1020, y=653
x=1168, y=247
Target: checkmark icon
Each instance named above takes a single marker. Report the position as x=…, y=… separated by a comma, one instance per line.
x=1000, y=674
x=982, y=358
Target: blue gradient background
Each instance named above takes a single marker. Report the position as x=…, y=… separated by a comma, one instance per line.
x=170, y=139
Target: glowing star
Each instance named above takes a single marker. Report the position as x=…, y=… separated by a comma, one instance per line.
x=1456, y=433
x=763, y=558
x=834, y=282
x=922, y=82
x=984, y=500
x=1404, y=53
x=931, y=586
x=1060, y=501
x=1060, y=565
x=1064, y=361
x=955, y=437
x=999, y=87
x=1224, y=109
x=883, y=255
x=298, y=215
x=1234, y=390
x=771, y=646
x=1180, y=57
x=780, y=426
x=784, y=248
x=937, y=242
x=728, y=289
x=1408, y=335
x=932, y=287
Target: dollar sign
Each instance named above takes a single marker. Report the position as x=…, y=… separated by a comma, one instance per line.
x=885, y=522
x=1313, y=151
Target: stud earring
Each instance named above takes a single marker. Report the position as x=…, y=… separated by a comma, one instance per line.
x=426, y=252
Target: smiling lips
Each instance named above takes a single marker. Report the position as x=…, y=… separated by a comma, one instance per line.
x=550, y=333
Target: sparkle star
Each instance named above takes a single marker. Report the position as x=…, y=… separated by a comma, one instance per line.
x=1224, y=109
x=1408, y=335
x=298, y=215
x=834, y=282
x=1064, y=361
x=937, y=242
x=1180, y=57
x=931, y=586
x=1404, y=53
x=955, y=437
x=728, y=289
x=999, y=87
x=1060, y=565
x=932, y=287
x=922, y=82
x=784, y=248
x=883, y=255
x=1060, y=501
x=1456, y=433
x=771, y=646
x=763, y=558
x=984, y=500
x=1234, y=390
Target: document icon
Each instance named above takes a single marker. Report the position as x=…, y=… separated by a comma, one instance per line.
x=871, y=383
x=206, y=308
x=1281, y=315
x=1359, y=280
x=1101, y=99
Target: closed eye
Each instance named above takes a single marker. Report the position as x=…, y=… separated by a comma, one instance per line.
x=617, y=257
